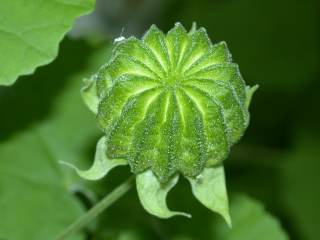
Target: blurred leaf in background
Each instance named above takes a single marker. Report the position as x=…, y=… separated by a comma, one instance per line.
x=250, y=222
x=34, y=189
x=34, y=200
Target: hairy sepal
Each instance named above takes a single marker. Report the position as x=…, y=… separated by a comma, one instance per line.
x=102, y=165
x=153, y=195
x=210, y=189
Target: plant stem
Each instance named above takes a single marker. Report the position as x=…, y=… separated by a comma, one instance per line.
x=97, y=209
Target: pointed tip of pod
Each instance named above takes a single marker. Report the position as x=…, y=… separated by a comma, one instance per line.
x=178, y=27
x=178, y=24
x=193, y=27
x=153, y=28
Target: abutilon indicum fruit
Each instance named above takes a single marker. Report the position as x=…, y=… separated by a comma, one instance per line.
x=169, y=104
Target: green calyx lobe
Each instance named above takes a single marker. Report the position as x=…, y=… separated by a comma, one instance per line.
x=171, y=103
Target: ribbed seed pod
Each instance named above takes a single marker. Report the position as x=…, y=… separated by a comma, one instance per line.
x=169, y=104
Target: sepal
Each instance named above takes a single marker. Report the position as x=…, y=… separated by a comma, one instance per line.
x=210, y=189
x=153, y=194
x=89, y=93
x=249, y=93
x=101, y=165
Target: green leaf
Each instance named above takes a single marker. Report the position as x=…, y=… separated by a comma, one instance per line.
x=30, y=33
x=32, y=182
x=153, y=194
x=102, y=164
x=210, y=189
x=34, y=200
x=250, y=222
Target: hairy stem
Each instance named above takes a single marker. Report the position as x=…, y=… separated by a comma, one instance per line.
x=97, y=209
